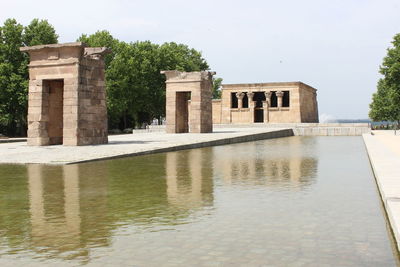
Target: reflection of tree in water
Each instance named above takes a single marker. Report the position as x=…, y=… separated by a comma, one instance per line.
x=14, y=203
x=288, y=162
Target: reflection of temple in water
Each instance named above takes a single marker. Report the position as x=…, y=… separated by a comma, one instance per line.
x=270, y=166
x=61, y=212
x=73, y=208
x=189, y=180
x=76, y=207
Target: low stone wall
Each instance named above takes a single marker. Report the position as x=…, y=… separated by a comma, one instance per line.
x=302, y=129
x=326, y=129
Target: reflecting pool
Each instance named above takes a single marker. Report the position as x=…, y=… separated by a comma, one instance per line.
x=295, y=201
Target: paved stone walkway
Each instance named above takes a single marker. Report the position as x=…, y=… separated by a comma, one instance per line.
x=384, y=153
x=132, y=145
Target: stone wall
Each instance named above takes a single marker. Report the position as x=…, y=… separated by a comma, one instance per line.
x=302, y=103
x=301, y=129
x=180, y=87
x=216, y=110
x=308, y=104
x=92, y=128
x=76, y=73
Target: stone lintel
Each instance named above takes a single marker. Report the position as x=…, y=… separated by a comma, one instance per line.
x=260, y=86
x=195, y=76
x=65, y=62
x=183, y=81
x=40, y=47
x=101, y=51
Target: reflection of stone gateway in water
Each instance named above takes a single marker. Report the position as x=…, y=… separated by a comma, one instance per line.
x=57, y=224
x=189, y=182
x=268, y=168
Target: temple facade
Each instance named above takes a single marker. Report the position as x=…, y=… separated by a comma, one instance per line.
x=283, y=102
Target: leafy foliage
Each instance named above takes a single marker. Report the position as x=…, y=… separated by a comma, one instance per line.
x=39, y=32
x=217, y=87
x=135, y=87
x=386, y=101
x=14, y=70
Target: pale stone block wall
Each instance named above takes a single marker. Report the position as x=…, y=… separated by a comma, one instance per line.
x=199, y=86
x=308, y=103
x=216, y=111
x=302, y=104
x=239, y=116
x=80, y=73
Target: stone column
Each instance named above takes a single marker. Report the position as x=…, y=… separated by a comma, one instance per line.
x=240, y=96
x=266, y=105
x=251, y=106
x=279, y=95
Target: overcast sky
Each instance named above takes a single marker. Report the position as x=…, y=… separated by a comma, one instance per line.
x=335, y=46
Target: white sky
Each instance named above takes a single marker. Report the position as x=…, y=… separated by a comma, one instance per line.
x=335, y=46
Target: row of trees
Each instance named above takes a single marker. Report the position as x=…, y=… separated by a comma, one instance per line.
x=135, y=87
x=385, y=104
x=14, y=71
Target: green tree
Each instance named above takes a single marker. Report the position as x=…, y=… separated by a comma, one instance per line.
x=217, y=87
x=386, y=100
x=14, y=70
x=101, y=39
x=13, y=76
x=39, y=32
x=130, y=81
x=135, y=87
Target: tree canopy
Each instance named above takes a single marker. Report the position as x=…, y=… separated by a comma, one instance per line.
x=135, y=87
x=14, y=71
x=385, y=104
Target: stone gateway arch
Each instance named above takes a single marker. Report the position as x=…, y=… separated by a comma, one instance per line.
x=189, y=101
x=67, y=98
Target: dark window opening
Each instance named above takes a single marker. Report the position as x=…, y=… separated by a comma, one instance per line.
x=285, y=99
x=245, y=103
x=274, y=100
x=259, y=97
x=234, y=101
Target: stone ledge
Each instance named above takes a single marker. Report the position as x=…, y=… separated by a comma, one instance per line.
x=131, y=145
x=39, y=47
x=386, y=167
x=12, y=140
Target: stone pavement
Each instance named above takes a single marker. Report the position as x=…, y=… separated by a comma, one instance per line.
x=384, y=153
x=132, y=145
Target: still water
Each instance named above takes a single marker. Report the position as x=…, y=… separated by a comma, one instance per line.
x=296, y=201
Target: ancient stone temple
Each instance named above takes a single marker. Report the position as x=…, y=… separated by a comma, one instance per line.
x=283, y=102
x=67, y=99
x=188, y=102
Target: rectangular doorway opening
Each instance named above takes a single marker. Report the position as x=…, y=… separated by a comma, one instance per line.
x=55, y=111
x=182, y=112
x=258, y=115
x=259, y=98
